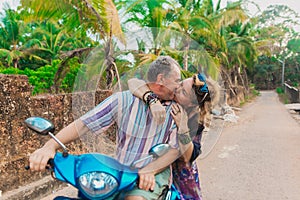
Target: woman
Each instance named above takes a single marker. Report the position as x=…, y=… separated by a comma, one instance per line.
x=192, y=93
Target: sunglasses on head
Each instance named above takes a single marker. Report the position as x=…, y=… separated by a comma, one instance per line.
x=200, y=87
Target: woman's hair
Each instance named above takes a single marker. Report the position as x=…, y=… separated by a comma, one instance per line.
x=207, y=92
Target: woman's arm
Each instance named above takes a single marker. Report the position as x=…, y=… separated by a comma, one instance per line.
x=197, y=143
x=185, y=143
x=140, y=89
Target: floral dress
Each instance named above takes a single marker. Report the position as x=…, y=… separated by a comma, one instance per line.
x=186, y=175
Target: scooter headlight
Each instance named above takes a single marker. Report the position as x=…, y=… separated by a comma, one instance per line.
x=97, y=184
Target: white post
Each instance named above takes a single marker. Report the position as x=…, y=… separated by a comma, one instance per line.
x=282, y=73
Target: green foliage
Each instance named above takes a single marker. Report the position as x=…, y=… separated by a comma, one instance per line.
x=282, y=96
x=94, y=16
x=42, y=78
x=279, y=90
x=253, y=90
x=69, y=79
x=217, y=40
x=186, y=74
x=11, y=70
x=252, y=94
x=294, y=45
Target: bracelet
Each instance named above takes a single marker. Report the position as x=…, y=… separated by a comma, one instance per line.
x=184, y=132
x=144, y=95
x=151, y=98
x=184, y=139
x=152, y=101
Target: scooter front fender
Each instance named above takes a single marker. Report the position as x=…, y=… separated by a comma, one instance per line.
x=64, y=168
x=70, y=168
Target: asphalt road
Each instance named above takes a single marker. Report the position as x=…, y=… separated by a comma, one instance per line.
x=257, y=158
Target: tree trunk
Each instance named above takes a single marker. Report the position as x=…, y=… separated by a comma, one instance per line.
x=240, y=78
x=186, y=55
x=111, y=69
x=15, y=62
x=246, y=79
x=63, y=68
x=227, y=81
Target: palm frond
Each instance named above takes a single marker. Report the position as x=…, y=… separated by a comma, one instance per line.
x=98, y=16
x=146, y=58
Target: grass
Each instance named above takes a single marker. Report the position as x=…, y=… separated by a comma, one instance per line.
x=252, y=95
x=282, y=96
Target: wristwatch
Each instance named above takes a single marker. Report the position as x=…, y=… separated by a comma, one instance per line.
x=150, y=98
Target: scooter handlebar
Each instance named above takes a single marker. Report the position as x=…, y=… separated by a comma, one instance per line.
x=50, y=165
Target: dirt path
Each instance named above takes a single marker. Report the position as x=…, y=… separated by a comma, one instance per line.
x=256, y=159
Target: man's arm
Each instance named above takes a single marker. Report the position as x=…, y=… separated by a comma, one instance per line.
x=102, y=115
x=147, y=173
x=38, y=159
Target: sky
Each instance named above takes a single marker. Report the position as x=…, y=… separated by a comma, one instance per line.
x=11, y=3
x=263, y=4
x=293, y=4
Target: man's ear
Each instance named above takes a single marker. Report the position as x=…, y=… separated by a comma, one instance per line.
x=160, y=78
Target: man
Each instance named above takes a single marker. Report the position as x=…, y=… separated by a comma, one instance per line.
x=137, y=129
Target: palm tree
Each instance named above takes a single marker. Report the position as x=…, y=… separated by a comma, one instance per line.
x=236, y=50
x=272, y=33
x=151, y=14
x=98, y=17
x=173, y=26
x=191, y=20
x=14, y=45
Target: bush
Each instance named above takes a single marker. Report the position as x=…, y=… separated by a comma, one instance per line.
x=69, y=79
x=42, y=79
x=279, y=90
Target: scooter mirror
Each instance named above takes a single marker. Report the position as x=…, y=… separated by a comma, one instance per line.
x=40, y=125
x=155, y=152
x=159, y=150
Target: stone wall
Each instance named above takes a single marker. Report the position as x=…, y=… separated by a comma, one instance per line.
x=16, y=140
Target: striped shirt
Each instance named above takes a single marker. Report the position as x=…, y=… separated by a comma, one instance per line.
x=137, y=130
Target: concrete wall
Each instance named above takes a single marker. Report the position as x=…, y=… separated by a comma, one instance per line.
x=17, y=142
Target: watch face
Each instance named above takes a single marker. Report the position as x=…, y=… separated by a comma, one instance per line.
x=184, y=139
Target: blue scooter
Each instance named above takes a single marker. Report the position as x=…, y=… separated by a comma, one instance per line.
x=96, y=176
